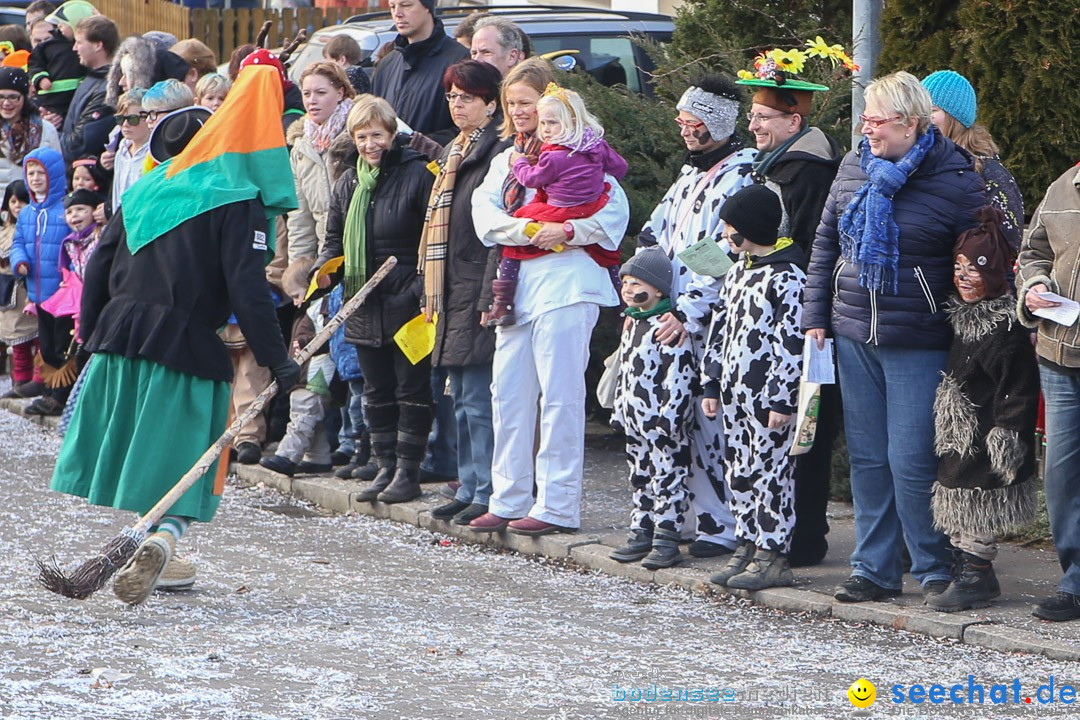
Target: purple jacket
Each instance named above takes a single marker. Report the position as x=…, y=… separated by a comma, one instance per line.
x=571, y=177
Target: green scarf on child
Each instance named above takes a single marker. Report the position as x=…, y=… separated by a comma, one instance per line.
x=661, y=307
x=355, y=239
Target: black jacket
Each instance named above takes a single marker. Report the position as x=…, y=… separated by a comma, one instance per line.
x=459, y=338
x=802, y=177
x=395, y=220
x=410, y=79
x=55, y=60
x=935, y=205
x=167, y=302
x=89, y=120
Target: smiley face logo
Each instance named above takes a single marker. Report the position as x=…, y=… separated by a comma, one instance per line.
x=862, y=693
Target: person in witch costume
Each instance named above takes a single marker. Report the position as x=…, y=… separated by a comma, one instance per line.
x=984, y=417
x=165, y=276
x=798, y=163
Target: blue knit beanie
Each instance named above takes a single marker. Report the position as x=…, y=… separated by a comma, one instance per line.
x=952, y=92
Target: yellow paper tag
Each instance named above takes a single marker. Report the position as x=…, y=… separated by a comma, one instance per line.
x=416, y=338
x=329, y=268
x=433, y=168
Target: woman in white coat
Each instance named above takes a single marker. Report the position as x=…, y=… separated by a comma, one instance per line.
x=544, y=354
x=21, y=126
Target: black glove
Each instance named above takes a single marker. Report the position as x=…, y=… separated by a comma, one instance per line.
x=287, y=374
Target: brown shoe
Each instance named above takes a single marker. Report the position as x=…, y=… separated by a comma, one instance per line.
x=533, y=527
x=489, y=523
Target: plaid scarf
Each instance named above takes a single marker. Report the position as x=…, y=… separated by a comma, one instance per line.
x=513, y=192
x=436, y=236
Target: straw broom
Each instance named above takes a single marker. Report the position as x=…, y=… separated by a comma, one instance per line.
x=93, y=574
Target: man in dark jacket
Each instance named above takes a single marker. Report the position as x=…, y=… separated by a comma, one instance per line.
x=410, y=77
x=798, y=163
x=87, y=124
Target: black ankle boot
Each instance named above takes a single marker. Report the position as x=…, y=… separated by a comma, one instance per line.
x=404, y=487
x=382, y=481
x=414, y=424
x=665, y=551
x=974, y=585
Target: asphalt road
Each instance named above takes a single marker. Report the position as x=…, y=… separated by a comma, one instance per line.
x=298, y=614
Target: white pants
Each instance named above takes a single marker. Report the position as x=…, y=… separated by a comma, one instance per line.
x=543, y=360
x=708, y=492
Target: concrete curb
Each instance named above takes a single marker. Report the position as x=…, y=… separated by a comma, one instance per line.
x=587, y=550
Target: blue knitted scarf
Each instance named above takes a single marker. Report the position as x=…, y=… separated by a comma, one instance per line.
x=869, y=235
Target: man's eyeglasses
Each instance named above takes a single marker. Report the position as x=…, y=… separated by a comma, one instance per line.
x=463, y=97
x=131, y=120
x=877, y=122
x=751, y=116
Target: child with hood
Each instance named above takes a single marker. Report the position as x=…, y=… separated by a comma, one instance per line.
x=39, y=237
x=17, y=329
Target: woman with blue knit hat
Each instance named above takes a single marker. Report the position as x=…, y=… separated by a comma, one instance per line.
x=955, y=110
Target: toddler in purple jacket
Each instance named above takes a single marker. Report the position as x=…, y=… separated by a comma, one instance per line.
x=568, y=176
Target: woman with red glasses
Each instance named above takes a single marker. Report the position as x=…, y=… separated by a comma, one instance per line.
x=879, y=276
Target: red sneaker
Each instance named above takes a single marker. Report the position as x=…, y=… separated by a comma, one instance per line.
x=534, y=527
x=489, y=523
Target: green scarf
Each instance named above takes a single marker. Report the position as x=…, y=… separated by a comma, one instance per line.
x=764, y=160
x=661, y=307
x=355, y=240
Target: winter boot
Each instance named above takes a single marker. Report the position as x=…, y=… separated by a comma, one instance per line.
x=973, y=586
x=502, y=310
x=769, y=568
x=178, y=575
x=136, y=580
x=414, y=424
x=738, y=561
x=361, y=456
x=665, y=551
x=382, y=423
x=637, y=546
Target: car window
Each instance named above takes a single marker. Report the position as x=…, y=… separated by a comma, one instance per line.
x=609, y=59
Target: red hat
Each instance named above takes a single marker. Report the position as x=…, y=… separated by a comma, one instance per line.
x=264, y=57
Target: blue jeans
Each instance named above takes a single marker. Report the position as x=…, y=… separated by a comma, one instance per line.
x=1062, y=478
x=889, y=421
x=352, y=418
x=471, y=386
x=442, y=457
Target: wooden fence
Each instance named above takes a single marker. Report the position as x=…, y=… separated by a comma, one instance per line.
x=225, y=30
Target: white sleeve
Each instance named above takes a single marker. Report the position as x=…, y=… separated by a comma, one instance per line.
x=608, y=226
x=494, y=226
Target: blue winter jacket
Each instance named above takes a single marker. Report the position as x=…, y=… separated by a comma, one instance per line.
x=342, y=353
x=41, y=229
x=935, y=205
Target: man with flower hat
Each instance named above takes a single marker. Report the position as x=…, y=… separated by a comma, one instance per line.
x=717, y=166
x=798, y=163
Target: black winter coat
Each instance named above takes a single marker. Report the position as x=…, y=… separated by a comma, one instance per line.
x=410, y=79
x=459, y=338
x=166, y=302
x=935, y=205
x=395, y=220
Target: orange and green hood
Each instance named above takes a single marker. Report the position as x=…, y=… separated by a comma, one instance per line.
x=238, y=155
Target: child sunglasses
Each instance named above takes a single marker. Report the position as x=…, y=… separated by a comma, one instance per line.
x=131, y=120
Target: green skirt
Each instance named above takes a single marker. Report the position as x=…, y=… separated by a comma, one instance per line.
x=136, y=429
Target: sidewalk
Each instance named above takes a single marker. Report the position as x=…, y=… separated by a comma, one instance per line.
x=1026, y=574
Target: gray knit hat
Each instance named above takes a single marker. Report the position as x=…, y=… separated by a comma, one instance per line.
x=651, y=265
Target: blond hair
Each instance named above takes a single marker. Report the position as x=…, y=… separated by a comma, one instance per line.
x=132, y=97
x=569, y=109
x=903, y=94
x=534, y=72
x=210, y=84
x=976, y=139
x=371, y=110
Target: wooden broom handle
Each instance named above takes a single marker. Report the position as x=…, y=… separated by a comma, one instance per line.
x=213, y=453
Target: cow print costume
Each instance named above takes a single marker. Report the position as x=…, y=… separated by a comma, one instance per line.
x=754, y=362
x=653, y=408
x=689, y=212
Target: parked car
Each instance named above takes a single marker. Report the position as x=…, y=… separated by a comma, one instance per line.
x=597, y=40
x=12, y=16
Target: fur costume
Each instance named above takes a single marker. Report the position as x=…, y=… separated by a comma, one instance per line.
x=984, y=414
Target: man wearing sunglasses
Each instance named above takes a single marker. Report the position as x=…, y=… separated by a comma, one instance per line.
x=798, y=163
x=717, y=166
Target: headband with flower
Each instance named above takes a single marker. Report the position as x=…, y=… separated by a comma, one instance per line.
x=777, y=67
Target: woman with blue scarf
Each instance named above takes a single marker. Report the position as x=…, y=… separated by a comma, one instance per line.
x=879, y=275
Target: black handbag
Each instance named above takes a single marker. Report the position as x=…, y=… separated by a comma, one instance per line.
x=8, y=295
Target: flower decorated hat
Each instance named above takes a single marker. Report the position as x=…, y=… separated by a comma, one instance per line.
x=774, y=75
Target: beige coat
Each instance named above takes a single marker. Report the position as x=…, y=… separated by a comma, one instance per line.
x=1050, y=255
x=15, y=325
x=307, y=224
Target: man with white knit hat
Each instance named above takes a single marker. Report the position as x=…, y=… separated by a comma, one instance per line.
x=717, y=166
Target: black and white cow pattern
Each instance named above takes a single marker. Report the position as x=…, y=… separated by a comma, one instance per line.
x=688, y=213
x=653, y=408
x=755, y=352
